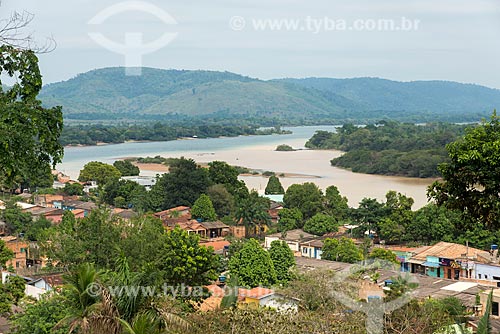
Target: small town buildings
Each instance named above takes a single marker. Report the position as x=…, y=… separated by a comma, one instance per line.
x=448, y=260
x=47, y=200
x=72, y=205
x=174, y=216
x=293, y=238
x=216, y=229
x=312, y=248
x=262, y=297
x=20, y=249
x=238, y=231
x=146, y=181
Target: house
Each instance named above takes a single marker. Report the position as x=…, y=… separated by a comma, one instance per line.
x=312, y=248
x=293, y=238
x=262, y=297
x=71, y=205
x=238, y=231
x=174, y=216
x=56, y=216
x=274, y=210
x=495, y=303
x=38, y=211
x=213, y=302
x=125, y=214
x=192, y=227
x=449, y=260
x=20, y=249
x=47, y=200
x=146, y=181
x=34, y=288
x=404, y=254
x=215, y=229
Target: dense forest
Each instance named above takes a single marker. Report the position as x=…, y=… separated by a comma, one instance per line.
x=390, y=148
x=93, y=134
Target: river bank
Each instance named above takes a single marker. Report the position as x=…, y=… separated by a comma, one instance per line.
x=258, y=152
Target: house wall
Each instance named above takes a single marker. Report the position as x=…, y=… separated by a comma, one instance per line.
x=487, y=272
x=311, y=252
x=237, y=231
x=268, y=240
x=20, y=249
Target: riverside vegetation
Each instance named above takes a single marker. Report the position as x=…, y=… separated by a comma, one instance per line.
x=390, y=148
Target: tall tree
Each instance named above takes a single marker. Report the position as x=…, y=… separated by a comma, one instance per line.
x=336, y=204
x=343, y=250
x=321, y=224
x=100, y=172
x=222, y=200
x=185, y=182
x=471, y=180
x=274, y=186
x=253, y=213
x=283, y=260
x=5, y=254
x=253, y=266
x=184, y=261
x=306, y=197
x=203, y=209
x=221, y=172
x=29, y=133
x=290, y=219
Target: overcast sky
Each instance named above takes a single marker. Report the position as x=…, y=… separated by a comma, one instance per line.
x=456, y=40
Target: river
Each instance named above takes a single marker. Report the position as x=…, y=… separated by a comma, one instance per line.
x=258, y=152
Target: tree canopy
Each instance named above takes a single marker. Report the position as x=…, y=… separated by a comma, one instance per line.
x=320, y=224
x=342, y=250
x=203, y=209
x=471, y=179
x=274, y=186
x=29, y=133
x=283, y=260
x=253, y=266
x=306, y=197
x=126, y=168
x=100, y=172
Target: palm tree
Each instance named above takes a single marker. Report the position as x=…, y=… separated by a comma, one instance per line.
x=91, y=308
x=252, y=212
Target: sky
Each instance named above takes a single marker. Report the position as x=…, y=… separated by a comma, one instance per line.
x=456, y=40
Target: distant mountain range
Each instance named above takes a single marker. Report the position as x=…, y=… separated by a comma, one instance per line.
x=180, y=94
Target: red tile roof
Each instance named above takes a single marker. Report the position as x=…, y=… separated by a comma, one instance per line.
x=216, y=245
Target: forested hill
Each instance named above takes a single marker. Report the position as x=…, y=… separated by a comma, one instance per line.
x=180, y=94
x=414, y=96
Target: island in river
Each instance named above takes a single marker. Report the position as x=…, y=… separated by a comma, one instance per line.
x=258, y=152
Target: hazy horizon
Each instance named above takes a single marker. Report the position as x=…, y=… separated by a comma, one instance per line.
x=449, y=40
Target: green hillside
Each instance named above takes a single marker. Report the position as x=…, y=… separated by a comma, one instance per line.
x=180, y=94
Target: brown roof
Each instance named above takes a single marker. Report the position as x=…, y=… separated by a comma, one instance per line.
x=57, y=212
x=170, y=211
x=191, y=225
x=80, y=204
x=213, y=225
x=293, y=235
x=39, y=210
x=452, y=251
x=313, y=242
